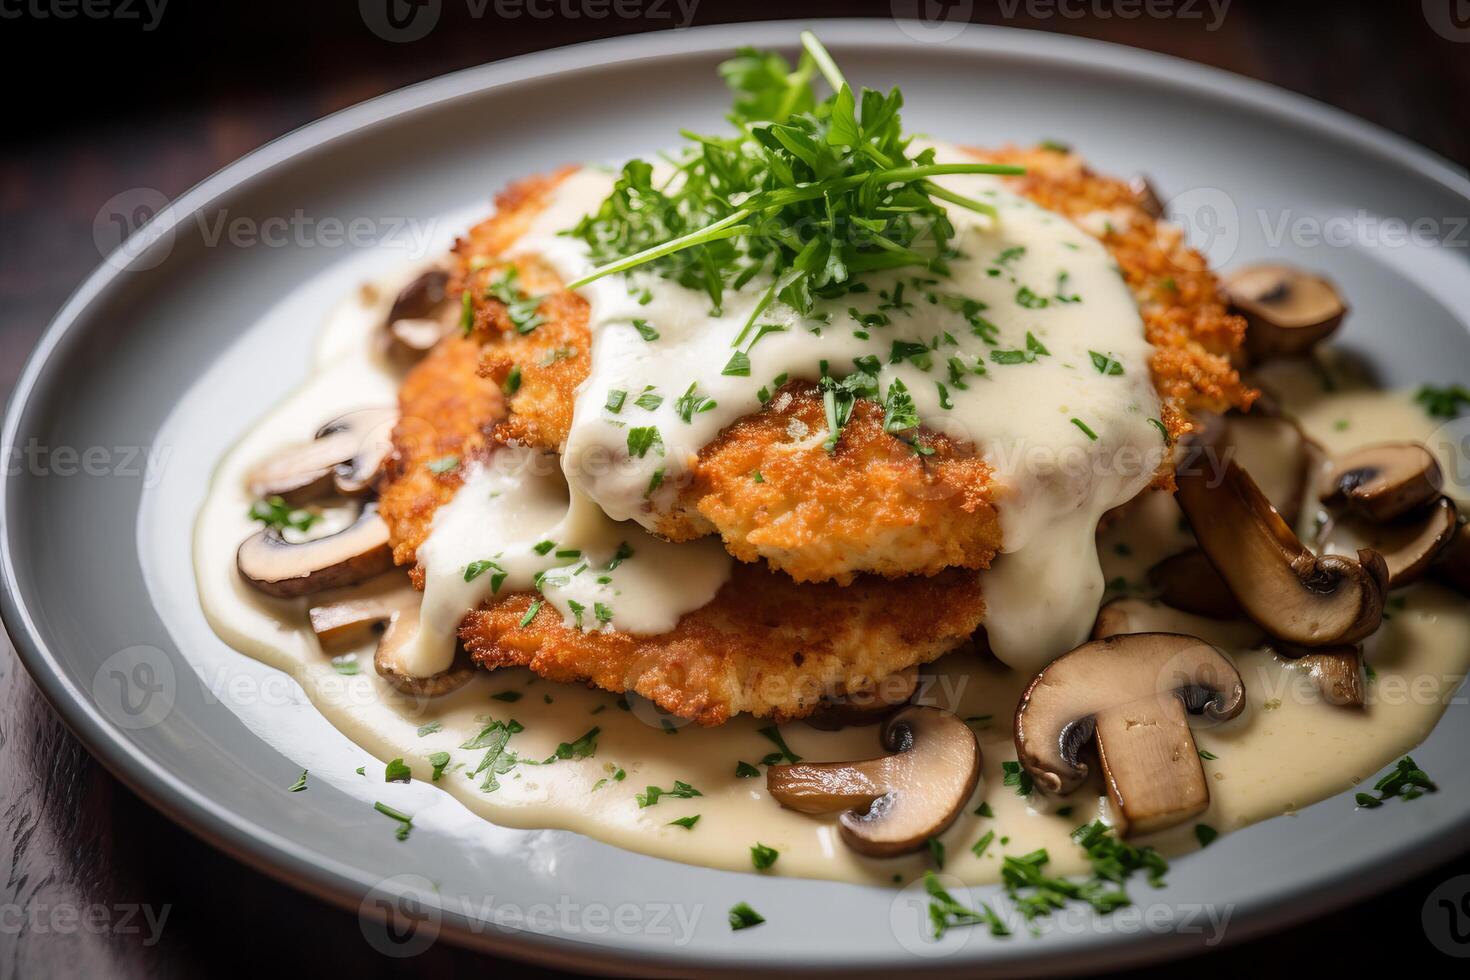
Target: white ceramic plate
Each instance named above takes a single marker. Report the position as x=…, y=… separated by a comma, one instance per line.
x=165, y=348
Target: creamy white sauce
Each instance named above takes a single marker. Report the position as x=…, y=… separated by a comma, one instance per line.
x=515, y=517
x=1287, y=749
x=1068, y=441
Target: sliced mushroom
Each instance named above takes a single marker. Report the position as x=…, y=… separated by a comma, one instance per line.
x=347, y=618
x=1131, y=695
x=1286, y=310
x=1129, y=614
x=1288, y=591
x=867, y=706
x=1337, y=672
x=346, y=454
x=1189, y=582
x=390, y=656
x=1146, y=196
x=421, y=315
x=1408, y=545
x=892, y=804
x=1279, y=457
x=286, y=569
x=1452, y=565
x=1383, y=481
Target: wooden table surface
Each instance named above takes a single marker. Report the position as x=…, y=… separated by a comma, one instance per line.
x=93, y=882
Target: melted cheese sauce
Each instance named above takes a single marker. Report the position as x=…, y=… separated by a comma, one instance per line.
x=1286, y=750
x=1067, y=440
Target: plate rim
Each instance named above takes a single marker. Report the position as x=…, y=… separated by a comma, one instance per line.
x=265, y=850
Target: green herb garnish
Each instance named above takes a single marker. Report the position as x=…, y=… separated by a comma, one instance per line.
x=836, y=169
x=1017, y=776
x=1406, y=781
x=1443, y=403
x=785, y=754
x=275, y=513
x=405, y=822
x=742, y=916
x=519, y=307
x=681, y=791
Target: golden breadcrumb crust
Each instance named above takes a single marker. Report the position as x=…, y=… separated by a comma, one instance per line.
x=873, y=506
x=765, y=644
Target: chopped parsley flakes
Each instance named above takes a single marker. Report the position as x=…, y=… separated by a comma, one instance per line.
x=1406, y=781
x=762, y=856
x=276, y=514
x=405, y=822
x=742, y=916
x=681, y=791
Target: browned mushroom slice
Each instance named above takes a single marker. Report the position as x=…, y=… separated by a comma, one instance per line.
x=1288, y=591
x=1408, y=545
x=1452, y=565
x=1383, y=481
x=892, y=804
x=1146, y=196
x=373, y=430
x=1132, y=695
x=867, y=706
x=286, y=569
x=346, y=455
x=1189, y=582
x=391, y=655
x=1286, y=310
x=1130, y=614
x=421, y=315
x=1337, y=672
x=349, y=617
x=1278, y=456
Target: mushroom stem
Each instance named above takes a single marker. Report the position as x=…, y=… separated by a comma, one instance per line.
x=1150, y=765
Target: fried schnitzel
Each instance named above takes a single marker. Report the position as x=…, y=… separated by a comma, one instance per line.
x=871, y=504
x=764, y=645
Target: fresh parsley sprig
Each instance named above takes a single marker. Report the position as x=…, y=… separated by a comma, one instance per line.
x=807, y=194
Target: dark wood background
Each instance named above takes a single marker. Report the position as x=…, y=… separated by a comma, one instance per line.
x=95, y=106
